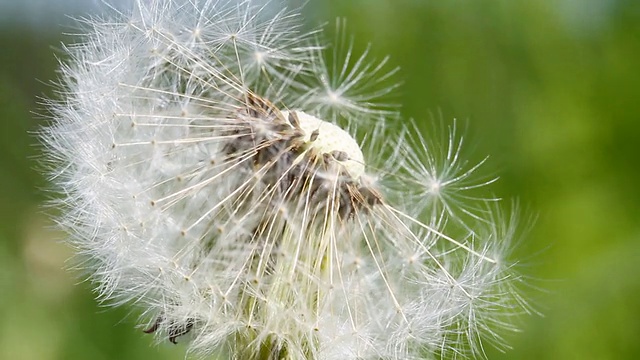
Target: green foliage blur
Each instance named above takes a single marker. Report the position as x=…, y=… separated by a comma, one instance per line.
x=550, y=89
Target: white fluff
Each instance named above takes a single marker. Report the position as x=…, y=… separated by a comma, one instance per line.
x=189, y=190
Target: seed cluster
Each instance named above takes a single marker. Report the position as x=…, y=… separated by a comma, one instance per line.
x=204, y=178
x=288, y=161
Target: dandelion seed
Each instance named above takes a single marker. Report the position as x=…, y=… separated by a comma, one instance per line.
x=206, y=179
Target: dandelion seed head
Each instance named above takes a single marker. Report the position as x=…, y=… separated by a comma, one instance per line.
x=212, y=173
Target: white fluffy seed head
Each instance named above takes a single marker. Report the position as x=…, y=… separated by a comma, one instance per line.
x=255, y=232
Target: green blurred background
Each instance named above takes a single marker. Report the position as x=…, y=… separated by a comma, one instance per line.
x=549, y=88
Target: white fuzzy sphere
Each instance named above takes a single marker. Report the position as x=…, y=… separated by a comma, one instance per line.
x=256, y=204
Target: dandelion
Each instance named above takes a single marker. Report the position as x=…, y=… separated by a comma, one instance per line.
x=249, y=196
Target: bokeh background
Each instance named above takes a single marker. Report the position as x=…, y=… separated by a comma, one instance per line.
x=550, y=89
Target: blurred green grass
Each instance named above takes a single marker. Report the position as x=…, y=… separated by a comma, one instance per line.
x=550, y=89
